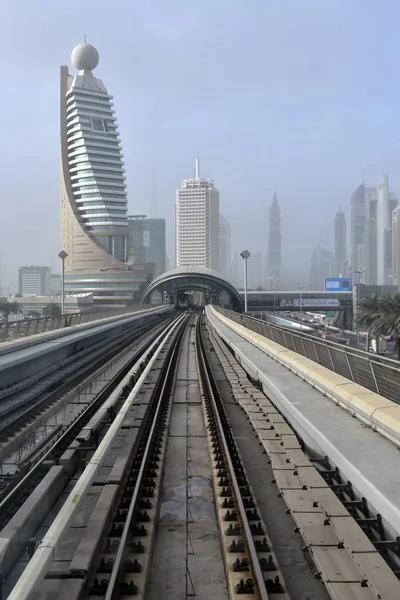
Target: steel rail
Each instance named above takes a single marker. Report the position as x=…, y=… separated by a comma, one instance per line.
x=37, y=567
x=205, y=374
x=121, y=547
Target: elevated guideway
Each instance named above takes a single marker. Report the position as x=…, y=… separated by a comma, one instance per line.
x=308, y=395
x=22, y=358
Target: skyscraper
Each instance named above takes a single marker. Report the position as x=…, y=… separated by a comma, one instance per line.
x=274, y=242
x=94, y=223
x=384, y=224
x=148, y=241
x=370, y=253
x=256, y=274
x=371, y=212
x=224, y=247
x=340, y=244
x=322, y=265
x=396, y=245
x=236, y=276
x=358, y=217
x=197, y=223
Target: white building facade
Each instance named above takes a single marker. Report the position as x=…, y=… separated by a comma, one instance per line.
x=384, y=225
x=34, y=281
x=224, y=247
x=197, y=223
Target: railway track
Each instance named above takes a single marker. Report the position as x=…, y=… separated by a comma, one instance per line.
x=23, y=484
x=174, y=499
x=23, y=403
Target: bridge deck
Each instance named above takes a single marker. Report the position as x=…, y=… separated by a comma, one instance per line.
x=364, y=457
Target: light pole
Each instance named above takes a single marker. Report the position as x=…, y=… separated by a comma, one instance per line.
x=63, y=255
x=274, y=290
x=301, y=308
x=245, y=255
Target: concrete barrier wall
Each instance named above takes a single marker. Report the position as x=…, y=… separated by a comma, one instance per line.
x=379, y=413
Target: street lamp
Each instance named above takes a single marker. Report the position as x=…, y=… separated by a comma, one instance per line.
x=301, y=307
x=63, y=255
x=245, y=255
x=274, y=290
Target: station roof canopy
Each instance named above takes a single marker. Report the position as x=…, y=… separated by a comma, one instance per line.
x=196, y=279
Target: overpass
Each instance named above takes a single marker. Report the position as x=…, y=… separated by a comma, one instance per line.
x=302, y=300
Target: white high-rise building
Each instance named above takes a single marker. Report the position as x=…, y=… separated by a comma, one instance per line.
x=94, y=220
x=224, y=247
x=197, y=223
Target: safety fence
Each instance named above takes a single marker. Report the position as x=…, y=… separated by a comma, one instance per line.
x=377, y=373
x=32, y=326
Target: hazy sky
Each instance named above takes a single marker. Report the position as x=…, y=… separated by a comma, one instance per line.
x=297, y=96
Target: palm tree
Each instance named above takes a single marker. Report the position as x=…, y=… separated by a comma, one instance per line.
x=388, y=320
x=369, y=317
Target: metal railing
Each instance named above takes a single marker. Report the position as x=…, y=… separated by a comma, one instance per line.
x=378, y=374
x=27, y=327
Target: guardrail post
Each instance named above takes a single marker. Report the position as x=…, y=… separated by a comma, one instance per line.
x=304, y=348
x=349, y=365
x=330, y=358
x=373, y=375
x=17, y=328
x=37, y=325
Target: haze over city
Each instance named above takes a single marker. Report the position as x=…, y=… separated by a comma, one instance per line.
x=294, y=98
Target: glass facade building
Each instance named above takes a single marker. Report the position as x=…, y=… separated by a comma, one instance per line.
x=148, y=241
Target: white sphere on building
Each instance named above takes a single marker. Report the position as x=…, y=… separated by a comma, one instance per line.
x=85, y=57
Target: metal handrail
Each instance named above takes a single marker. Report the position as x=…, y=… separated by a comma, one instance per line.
x=378, y=374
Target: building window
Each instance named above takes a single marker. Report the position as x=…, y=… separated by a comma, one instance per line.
x=97, y=124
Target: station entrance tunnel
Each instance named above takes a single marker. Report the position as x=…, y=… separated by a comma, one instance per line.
x=195, y=286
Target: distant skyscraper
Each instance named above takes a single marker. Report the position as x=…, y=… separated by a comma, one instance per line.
x=148, y=241
x=256, y=275
x=197, y=223
x=384, y=225
x=34, y=281
x=235, y=277
x=322, y=265
x=340, y=244
x=274, y=242
x=224, y=247
x=396, y=246
x=94, y=223
x=370, y=253
x=358, y=217
x=55, y=284
x=371, y=211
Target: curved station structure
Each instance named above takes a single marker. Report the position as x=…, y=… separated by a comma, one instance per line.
x=177, y=282
x=94, y=221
